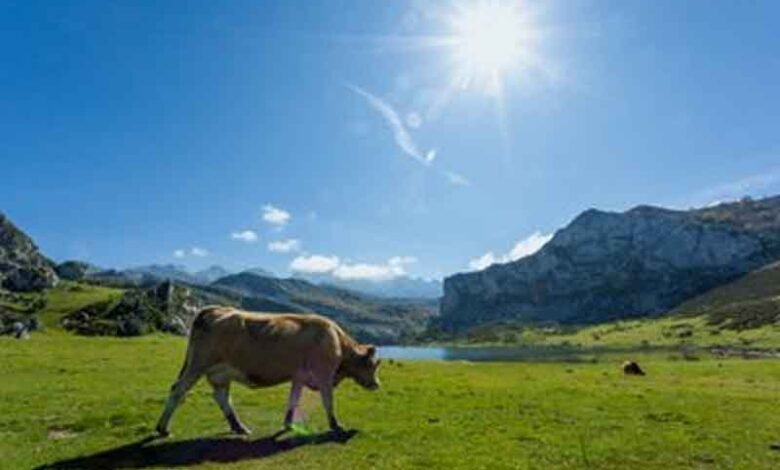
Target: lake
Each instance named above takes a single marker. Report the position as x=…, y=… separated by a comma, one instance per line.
x=483, y=354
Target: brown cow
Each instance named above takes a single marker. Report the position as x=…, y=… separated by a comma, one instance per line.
x=262, y=350
x=632, y=368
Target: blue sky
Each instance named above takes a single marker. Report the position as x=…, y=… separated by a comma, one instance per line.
x=341, y=136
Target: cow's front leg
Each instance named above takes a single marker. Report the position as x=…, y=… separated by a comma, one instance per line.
x=326, y=393
x=222, y=397
x=292, y=403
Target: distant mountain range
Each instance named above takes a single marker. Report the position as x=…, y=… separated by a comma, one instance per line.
x=399, y=287
x=369, y=317
x=606, y=265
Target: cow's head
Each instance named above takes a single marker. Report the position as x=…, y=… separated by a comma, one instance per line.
x=361, y=366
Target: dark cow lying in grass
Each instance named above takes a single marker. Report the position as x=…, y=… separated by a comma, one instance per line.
x=632, y=368
x=262, y=350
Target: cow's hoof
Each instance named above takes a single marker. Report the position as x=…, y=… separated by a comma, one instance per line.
x=162, y=432
x=242, y=431
x=337, y=429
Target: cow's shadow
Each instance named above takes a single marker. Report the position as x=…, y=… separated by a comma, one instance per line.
x=150, y=452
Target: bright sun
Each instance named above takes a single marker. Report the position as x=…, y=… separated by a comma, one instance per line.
x=489, y=40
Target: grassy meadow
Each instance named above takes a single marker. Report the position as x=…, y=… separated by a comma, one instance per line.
x=74, y=402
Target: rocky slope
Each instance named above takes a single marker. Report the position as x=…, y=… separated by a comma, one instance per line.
x=607, y=265
x=22, y=266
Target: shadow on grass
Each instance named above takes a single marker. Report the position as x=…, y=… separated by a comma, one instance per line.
x=147, y=453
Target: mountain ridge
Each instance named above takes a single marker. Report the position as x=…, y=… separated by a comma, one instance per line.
x=610, y=265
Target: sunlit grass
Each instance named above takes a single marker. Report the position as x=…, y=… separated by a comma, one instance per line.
x=65, y=396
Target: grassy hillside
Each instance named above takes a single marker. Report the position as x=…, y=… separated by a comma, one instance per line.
x=749, y=302
x=744, y=313
x=52, y=304
x=96, y=399
x=666, y=331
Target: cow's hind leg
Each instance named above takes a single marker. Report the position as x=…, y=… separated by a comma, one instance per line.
x=326, y=393
x=179, y=389
x=292, y=403
x=222, y=397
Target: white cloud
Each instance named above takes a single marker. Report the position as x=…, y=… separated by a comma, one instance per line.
x=413, y=120
x=275, y=216
x=523, y=248
x=401, y=135
x=393, y=268
x=284, y=246
x=194, y=251
x=246, y=236
x=457, y=179
x=314, y=264
x=318, y=264
x=199, y=252
x=478, y=264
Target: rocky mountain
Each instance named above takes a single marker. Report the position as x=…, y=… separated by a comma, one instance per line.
x=399, y=287
x=22, y=266
x=369, y=318
x=607, y=265
x=259, y=272
x=211, y=274
x=173, y=272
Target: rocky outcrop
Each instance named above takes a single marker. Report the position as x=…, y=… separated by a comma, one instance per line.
x=75, y=270
x=167, y=307
x=607, y=265
x=22, y=266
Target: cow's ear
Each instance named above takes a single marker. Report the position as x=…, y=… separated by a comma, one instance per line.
x=371, y=351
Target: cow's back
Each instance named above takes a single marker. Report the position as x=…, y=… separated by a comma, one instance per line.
x=262, y=349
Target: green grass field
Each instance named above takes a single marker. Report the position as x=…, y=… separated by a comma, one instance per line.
x=95, y=400
x=670, y=331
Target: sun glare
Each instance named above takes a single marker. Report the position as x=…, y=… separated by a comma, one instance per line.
x=488, y=43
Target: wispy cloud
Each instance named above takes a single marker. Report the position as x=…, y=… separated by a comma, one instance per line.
x=401, y=135
x=199, y=252
x=275, y=216
x=332, y=265
x=523, y=248
x=246, y=236
x=457, y=179
x=284, y=246
x=194, y=251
